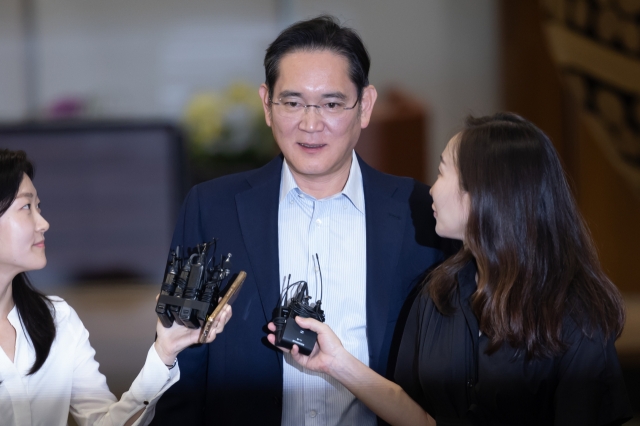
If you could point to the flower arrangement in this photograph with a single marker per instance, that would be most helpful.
(226, 132)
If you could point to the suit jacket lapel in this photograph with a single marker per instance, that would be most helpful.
(258, 217)
(385, 219)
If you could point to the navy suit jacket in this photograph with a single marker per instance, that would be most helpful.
(237, 379)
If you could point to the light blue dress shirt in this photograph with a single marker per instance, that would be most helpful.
(335, 229)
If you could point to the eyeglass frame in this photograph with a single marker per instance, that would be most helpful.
(318, 107)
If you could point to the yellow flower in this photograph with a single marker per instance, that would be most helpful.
(204, 118)
(240, 93)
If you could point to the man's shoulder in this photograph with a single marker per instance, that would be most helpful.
(231, 184)
(400, 187)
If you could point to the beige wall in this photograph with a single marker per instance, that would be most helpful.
(12, 85)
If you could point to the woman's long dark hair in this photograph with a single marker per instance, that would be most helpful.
(34, 308)
(535, 257)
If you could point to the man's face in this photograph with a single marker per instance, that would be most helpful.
(317, 146)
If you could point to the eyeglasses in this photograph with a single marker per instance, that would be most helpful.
(329, 110)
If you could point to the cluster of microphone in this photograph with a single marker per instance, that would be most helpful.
(191, 290)
(192, 286)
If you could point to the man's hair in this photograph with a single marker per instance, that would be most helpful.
(319, 34)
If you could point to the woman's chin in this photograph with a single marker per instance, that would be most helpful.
(451, 235)
(442, 232)
(37, 265)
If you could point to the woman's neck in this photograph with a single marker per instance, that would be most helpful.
(6, 298)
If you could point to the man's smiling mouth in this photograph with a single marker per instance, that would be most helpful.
(311, 146)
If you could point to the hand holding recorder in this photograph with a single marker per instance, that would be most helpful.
(327, 355)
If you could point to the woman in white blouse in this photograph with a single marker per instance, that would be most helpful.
(47, 366)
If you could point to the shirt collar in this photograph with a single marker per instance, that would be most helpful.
(13, 317)
(353, 189)
(287, 183)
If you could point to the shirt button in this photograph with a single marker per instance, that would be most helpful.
(291, 201)
(313, 413)
(318, 222)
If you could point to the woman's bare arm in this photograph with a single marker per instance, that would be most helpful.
(382, 396)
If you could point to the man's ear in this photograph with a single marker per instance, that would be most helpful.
(266, 105)
(369, 96)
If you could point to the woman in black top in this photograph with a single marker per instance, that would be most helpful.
(517, 328)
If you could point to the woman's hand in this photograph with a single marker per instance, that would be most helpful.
(382, 396)
(328, 353)
(171, 341)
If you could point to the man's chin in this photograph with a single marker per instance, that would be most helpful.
(309, 168)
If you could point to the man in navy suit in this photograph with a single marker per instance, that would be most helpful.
(373, 235)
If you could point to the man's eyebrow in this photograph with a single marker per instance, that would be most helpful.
(338, 95)
(289, 94)
(292, 94)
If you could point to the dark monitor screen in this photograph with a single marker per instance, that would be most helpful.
(110, 192)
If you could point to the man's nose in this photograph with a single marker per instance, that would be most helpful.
(311, 120)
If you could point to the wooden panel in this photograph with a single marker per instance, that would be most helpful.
(531, 85)
(612, 212)
(394, 141)
(532, 88)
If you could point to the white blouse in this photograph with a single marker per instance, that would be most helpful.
(69, 380)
